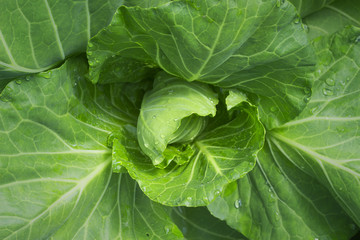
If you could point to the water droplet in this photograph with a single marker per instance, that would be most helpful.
(357, 39)
(90, 44)
(89, 53)
(162, 136)
(273, 109)
(146, 145)
(313, 110)
(316, 238)
(297, 20)
(237, 203)
(327, 92)
(113, 55)
(279, 3)
(167, 229)
(18, 82)
(330, 82)
(307, 99)
(188, 201)
(342, 82)
(170, 92)
(91, 63)
(175, 119)
(156, 142)
(27, 78)
(277, 216)
(305, 27)
(217, 193)
(270, 190)
(307, 90)
(154, 116)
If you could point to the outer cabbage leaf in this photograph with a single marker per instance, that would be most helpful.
(198, 224)
(258, 46)
(56, 180)
(324, 140)
(306, 7)
(333, 17)
(173, 111)
(277, 200)
(222, 153)
(37, 35)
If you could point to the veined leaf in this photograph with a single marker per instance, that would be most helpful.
(173, 112)
(55, 166)
(277, 200)
(198, 224)
(333, 17)
(219, 155)
(324, 139)
(306, 7)
(38, 35)
(258, 46)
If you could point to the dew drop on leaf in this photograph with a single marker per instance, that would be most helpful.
(167, 229)
(237, 203)
(330, 82)
(277, 216)
(18, 82)
(357, 39)
(273, 109)
(279, 3)
(327, 92)
(305, 27)
(313, 110)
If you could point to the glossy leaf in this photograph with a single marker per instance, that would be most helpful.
(277, 200)
(220, 155)
(56, 180)
(173, 112)
(255, 46)
(199, 224)
(324, 139)
(306, 7)
(40, 34)
(333, 17)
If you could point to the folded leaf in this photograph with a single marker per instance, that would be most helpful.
(324, 139)
(173, 112)
(219, 155)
